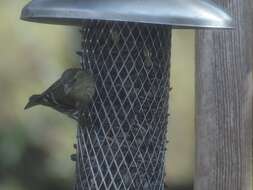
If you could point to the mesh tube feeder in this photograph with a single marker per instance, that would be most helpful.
(126, 45)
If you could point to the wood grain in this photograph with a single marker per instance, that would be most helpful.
(224, 102)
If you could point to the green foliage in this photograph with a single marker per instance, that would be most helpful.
(34, 146)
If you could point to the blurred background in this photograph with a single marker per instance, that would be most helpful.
(35, 145)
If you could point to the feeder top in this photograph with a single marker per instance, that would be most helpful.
(179, 13)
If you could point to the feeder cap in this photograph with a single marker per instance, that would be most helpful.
(179, 13)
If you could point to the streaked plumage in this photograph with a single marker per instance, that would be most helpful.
(71, 94)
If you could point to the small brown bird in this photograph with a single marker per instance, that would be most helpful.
(71, 94)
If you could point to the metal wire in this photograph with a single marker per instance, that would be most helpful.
(124, 146)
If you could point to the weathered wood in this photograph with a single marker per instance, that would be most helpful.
(224, 103)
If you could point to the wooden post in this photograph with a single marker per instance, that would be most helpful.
(224, 103)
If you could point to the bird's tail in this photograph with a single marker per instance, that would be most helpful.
(33, 101)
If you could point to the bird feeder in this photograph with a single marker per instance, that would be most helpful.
(126, 46)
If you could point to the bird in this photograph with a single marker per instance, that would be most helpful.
(71, 94)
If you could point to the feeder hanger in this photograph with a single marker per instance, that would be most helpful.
(177, 13)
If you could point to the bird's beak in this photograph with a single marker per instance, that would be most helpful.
(29, 105)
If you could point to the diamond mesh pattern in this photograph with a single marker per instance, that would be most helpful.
(124, 147)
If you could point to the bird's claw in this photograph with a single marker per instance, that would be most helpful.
(73, 157)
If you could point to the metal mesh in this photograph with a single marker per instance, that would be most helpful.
(124, 146)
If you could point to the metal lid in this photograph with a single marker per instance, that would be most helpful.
(182, 13)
